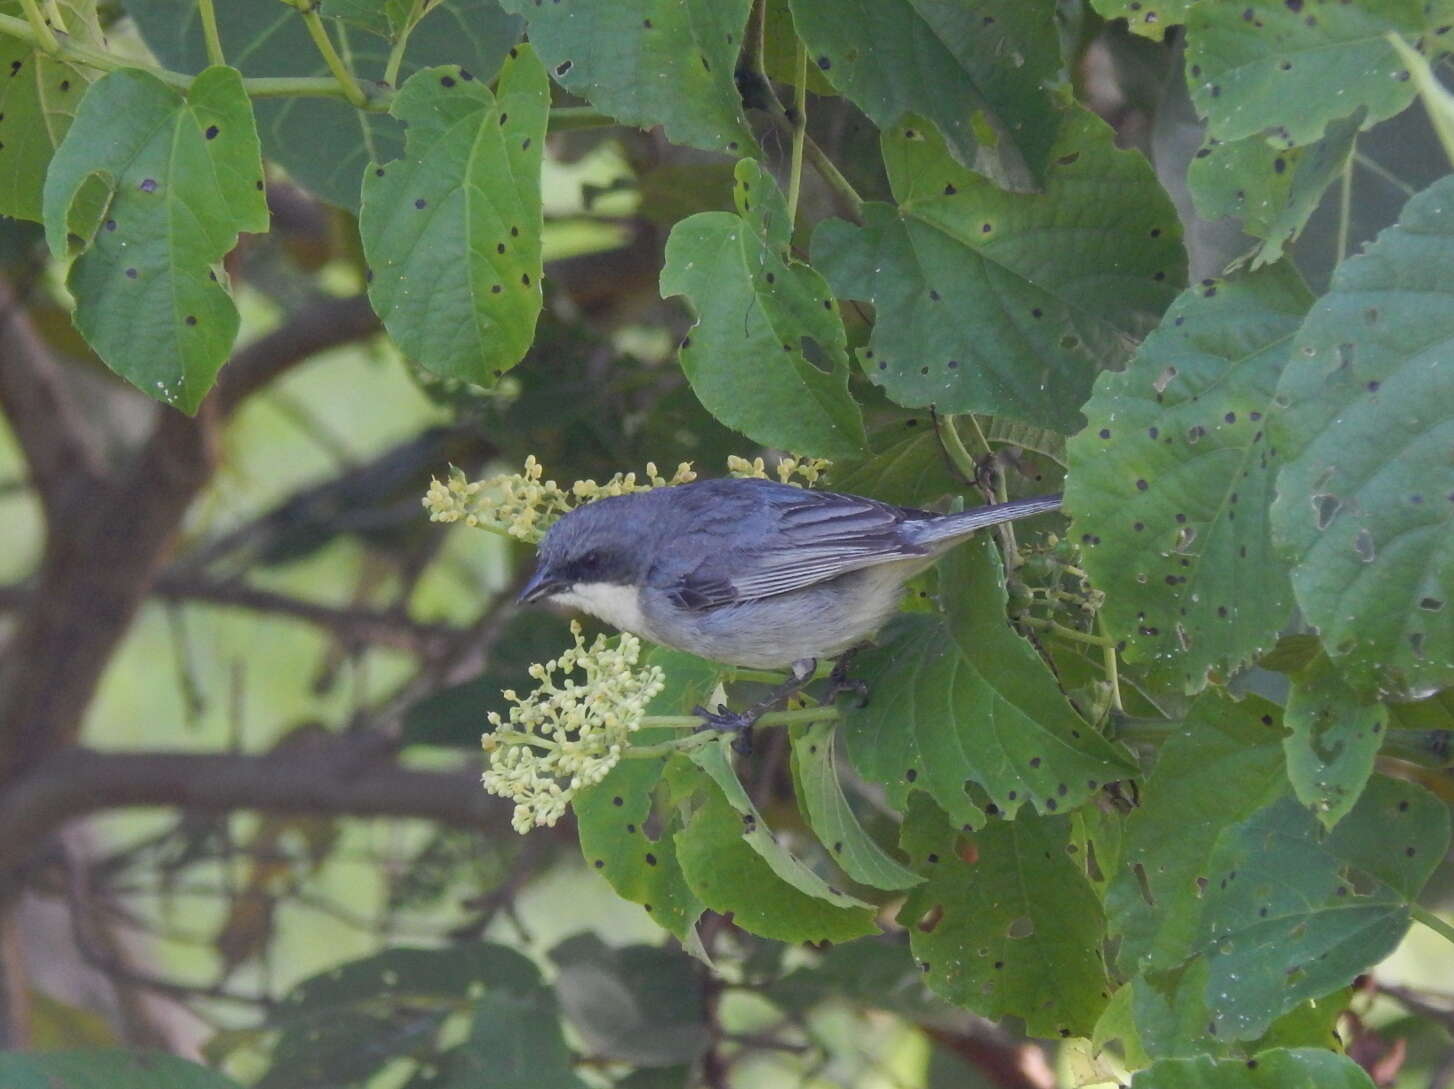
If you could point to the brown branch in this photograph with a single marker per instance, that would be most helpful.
(333, 777)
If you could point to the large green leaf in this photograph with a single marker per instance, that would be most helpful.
(1171, 480)
(1333, 740)
(959, 698)
(1220, 768)
(157, 185)
(981, 72)
(1365, 498)
(768, 354)
(831, 817)
(1007, 923)
(1270, 64)
(650, 62)
(38, 98)
(451, 230)
(325, 144)
(1280, 1068)
(106, 1068)
(1149, 18)
(1272, 190)
(990, 301)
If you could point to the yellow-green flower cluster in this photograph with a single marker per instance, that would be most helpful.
(810, 469)
(567, 735)
(524, 505)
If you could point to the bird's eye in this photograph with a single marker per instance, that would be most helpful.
(590, 561)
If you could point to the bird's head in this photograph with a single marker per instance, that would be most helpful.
(594, 551)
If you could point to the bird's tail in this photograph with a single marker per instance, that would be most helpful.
(953, 526)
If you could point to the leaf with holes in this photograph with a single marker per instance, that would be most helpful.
(1334, 738)
(38, 99)
(1269, 64)
(324, 143)
(106, 1068)
(1007, 923)
(1149, 18)
(831, 817)
(157, 185)
(989, 301)
(1171, 479)
(1280, 1068)
(1365, 497)
(1293, 912)
(768, 353)
(650, 62)
(1271, 190)
(1220, 768)
(958, 698)
(452, 229)
(980, 72)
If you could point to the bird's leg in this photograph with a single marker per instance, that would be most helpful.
(839, 681)
(741, 722)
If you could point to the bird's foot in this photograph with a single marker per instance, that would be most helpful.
(840, 682)
(735, 722)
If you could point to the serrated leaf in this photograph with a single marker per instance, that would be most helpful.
(1271, 190)
(981, 72)
(1220, 768)
(959, 698)
(1007, 923)
(452, 229)
(325, 144)
(38, 99)
(989, 301)
(1293, 913)
(731, 875)
(650, 62)
(768, 353)
(157, 185)
(1271, 68)
(1365, 497)
(1333, 740)
(1149, 18)
(1171, 479)
(833, 820)
(106, 1068)
(1280, 1068)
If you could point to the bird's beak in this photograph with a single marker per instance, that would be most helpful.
(541, 585)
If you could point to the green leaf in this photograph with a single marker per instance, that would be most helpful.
(1335, 736)
(768, 354)
(980, 72)
(1171, 479)
(1293, 913)
(325, 144)
(1280, 1068)
(1007, 923)
(384, 17)
(906, 466)
(732, 875)
(515, 1042)
(833, 820)
(989, 301)
(38, 99)
(1149, 18)
(875, 974)
(452, 229)
(1271, 190)
(1220, 768)
(157, 185)
(106, 1068)
(960, 698)
(650, 62)
(1365, 498)
(1272, 69)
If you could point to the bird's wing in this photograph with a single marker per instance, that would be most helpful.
(807, 537)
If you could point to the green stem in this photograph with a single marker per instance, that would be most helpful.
(949, 434)
(44, 37)
(319, 33)
(796, 717)
(800, 133)
(209, 32)
(1067, 633)
(1433, 922)
(571, 118)
(396, 55)
(1345, 207)
(1113, 671)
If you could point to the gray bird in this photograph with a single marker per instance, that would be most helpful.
(749, 572)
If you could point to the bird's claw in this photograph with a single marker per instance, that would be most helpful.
(839, 682)
(725, 721)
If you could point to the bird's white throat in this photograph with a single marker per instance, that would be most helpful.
(617, 605)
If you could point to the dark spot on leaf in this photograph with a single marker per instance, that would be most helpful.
(650, 859)
(191, 319)
(949, 190)
(421, 203)
(212, 131)
(131, 274)
(1141, 485)
(148, 185)
(1105, 432)
(525, 278)
(600, 864)
(563, 67)
(824, 63)
(446, 81)
(111, 224)
(911, 775)
(495, 289)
